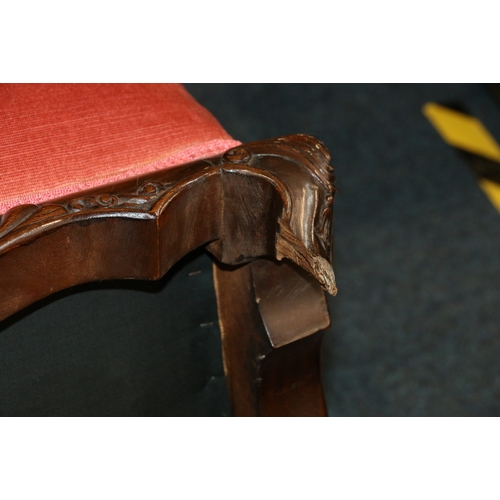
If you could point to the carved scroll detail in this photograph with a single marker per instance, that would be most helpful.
(143, 197)
(306, 222)
(20, 220)
(289, 246)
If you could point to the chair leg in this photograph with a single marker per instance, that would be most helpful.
(270, 316)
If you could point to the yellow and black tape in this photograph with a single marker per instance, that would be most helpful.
(472, 140)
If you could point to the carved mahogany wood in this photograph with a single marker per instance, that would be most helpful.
(268, 199)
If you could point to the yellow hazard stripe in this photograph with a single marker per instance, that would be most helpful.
(492, 191)
(467, 133)
(462, 131)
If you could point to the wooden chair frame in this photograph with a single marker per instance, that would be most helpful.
(251, 207)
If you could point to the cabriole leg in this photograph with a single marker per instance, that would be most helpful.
(271, 315)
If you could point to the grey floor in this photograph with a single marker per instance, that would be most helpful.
(415, 326)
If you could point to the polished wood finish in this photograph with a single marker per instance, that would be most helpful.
(270, 314)
(264, 200)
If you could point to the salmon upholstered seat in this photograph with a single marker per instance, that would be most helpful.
(59, 139)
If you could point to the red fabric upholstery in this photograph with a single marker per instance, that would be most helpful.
(57, 139)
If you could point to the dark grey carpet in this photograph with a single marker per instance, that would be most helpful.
(416, 324)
